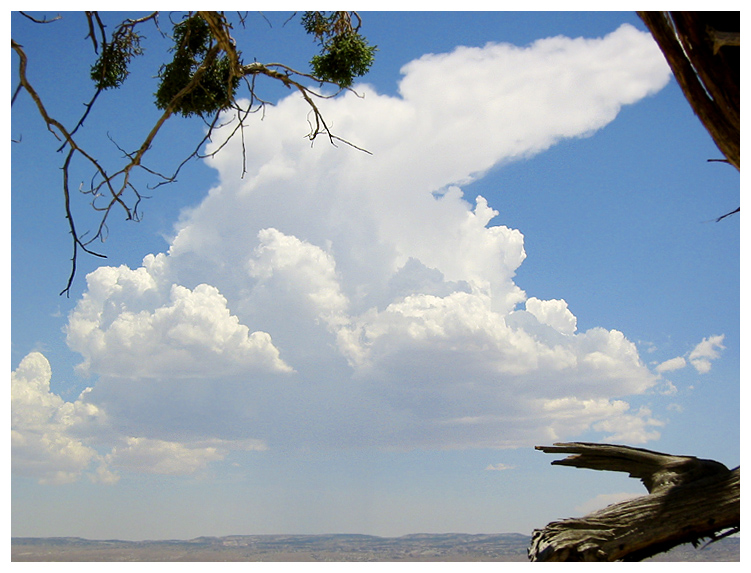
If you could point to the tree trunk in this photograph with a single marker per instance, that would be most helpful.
(703, 50)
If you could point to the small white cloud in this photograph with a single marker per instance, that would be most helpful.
(667, 388)
(700, 357)
(670, 365)
(707, 350)
(499, 467)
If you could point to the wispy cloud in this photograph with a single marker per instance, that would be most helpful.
(499, 467)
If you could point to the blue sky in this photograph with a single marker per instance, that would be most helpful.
(340, 342)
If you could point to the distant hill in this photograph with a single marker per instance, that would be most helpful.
(308, 548)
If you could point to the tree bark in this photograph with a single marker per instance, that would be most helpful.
(690, 499)
(703, 50)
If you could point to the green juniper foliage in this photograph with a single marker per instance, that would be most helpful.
(345, 54)
(111, 68)
(215, 89)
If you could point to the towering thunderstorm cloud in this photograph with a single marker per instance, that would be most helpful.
(335, 298)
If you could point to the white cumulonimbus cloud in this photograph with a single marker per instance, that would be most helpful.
(333, 297)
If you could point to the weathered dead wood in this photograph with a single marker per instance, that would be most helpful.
(703, 50)
(690, 499)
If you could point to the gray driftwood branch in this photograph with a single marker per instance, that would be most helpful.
(689, 499)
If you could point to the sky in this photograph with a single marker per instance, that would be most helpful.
(345, 342)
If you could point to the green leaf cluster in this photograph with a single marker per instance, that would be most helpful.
(215, 88)
(111, 68)
(345, 54)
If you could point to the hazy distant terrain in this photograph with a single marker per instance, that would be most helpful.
(416, 547)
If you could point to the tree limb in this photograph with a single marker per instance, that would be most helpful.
(113, 189)
(690, 499)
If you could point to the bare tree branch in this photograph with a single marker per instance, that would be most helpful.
(38, 21)
(109, 190)
(690, 499)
